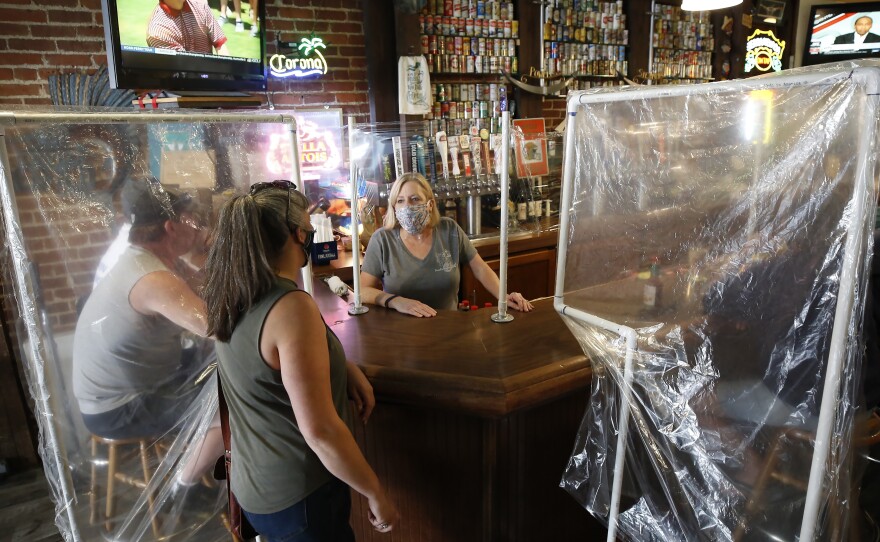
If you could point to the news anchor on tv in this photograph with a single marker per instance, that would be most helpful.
(861, 35)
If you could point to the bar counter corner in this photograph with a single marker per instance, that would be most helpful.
(474, 421)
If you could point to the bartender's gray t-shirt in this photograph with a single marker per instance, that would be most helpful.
(434, 280)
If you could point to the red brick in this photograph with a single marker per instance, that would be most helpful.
(6, 74)
(22, 90)
(295, 13)
(90, 31)
(23, 15)
(70, 16)
(28, 44)
(348, 28)
(21, 59)
(327, 15)
(338, 87)
(307, 27)
(25, 74)
(280, 25)
(80, 46)
(14, 29)
(62, 61)
(53, 31)
(333, 3)
(316, 99)
(353, 51)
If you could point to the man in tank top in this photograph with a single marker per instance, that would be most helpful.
(132, 374)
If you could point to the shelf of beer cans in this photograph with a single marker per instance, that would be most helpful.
(683, 43)
(459, 107)
(469, 37)
(585, 38)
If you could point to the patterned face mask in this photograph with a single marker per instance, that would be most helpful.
(413, 218)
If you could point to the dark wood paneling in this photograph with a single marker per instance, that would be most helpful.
(528, 13)
(638, 20)
(462, 478)
(379, 36)
(532, 274)
(429, 462)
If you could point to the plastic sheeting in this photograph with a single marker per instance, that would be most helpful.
(69, 205)
(464, 170)
(63, 188)
(727, 226)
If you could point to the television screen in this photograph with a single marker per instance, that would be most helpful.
(842, 32)
(185, 44)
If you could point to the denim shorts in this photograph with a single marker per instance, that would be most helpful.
(321, 517)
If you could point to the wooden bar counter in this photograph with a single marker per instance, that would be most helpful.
(474, 421)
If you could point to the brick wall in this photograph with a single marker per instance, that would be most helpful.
(42, 38)
(553, 111)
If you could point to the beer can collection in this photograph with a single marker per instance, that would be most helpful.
(469, 36)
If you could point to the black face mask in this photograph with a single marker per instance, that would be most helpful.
(307, 246)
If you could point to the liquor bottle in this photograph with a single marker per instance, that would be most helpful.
(652, 293)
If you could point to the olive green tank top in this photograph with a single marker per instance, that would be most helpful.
(273, 467)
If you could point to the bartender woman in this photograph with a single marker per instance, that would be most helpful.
(412, 262)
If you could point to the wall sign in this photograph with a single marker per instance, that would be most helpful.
(319, 132)
(764, 51)
(309, 62)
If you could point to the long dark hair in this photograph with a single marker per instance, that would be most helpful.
(250, 234)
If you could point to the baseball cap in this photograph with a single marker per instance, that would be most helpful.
(146, 201)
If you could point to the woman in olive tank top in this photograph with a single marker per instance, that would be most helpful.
(285, 377)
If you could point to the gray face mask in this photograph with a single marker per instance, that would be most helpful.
(413, 218)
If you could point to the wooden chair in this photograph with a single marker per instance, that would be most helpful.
(116, 449)
(866, 433)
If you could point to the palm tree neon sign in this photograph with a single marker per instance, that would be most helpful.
(311, 61)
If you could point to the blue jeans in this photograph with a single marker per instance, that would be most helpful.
(321, 517)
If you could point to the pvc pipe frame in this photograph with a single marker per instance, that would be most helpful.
(869, 78)
(358, 307)
(502, 316)
(25, 281)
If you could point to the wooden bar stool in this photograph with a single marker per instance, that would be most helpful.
(866, 432)
(116, 449)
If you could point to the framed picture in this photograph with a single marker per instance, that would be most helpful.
(770, 9)
(530, 148)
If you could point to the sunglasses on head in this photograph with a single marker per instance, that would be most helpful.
(256, 188)
(283, 185)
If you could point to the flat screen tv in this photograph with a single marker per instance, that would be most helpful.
(842, 32)
(185, 45)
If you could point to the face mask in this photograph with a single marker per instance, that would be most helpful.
(307, 246)
(413, 218)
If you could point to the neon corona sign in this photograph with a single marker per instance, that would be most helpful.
(764, 51)
(310, 62)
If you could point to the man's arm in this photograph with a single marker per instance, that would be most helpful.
(164, 293)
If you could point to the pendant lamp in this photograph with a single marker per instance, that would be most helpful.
(707, 5)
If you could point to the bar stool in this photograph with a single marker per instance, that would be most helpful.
(865, 433)
(116, 448)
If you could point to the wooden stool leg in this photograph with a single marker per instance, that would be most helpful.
(755, 498)
(111, 482)
(93, 484)
(145, 463)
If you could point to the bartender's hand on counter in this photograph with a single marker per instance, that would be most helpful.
(360, 391)
(411, 306)
(516, 301)
(383, 514)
